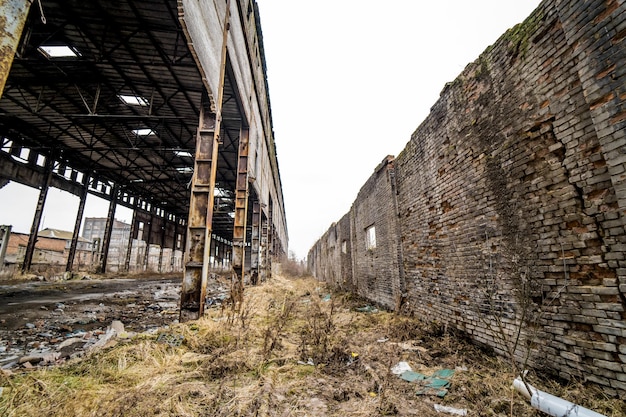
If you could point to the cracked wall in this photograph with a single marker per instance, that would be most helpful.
(507, 213)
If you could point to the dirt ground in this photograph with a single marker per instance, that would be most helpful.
(292, 347)
(38, 317)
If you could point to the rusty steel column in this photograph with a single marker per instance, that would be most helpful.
(14, 14)
(108, 230)
(255, 244)
(146, 255)
(133, 228)
(199, 227)
(263, 249)
(241, 207)
(197, 248)
(163, 232)
(77, 223)
(41, 202)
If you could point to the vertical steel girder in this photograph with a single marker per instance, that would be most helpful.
(255, 246)
(264, 249)
(108, 230)
(200, 227)
(200, 218)
(79, 219)
(241, 207)
(146, 255)
(129, 249)
(14, 13)
(41, 202)
(5, 235)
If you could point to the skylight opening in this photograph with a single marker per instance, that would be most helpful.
(133, 100)
(144, 132)
(181, 154)
(58, 51)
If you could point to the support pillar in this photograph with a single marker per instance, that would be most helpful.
(163, 232)
(146, 255)
(5, 235)
(108, 230)
(129, 249)
(264, 250)
(77, 223)
(241, 207)
(41, 202)
(200, 226)
(255, 246)
(14, 14)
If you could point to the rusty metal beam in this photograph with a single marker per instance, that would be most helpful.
(200, 226)
(14, 13)
(146, 255)
(255, 245)
(241, 206)
(133, 228)
(108, 230)
(79, 219)
(41, 202)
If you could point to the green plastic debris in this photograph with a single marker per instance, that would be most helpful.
(326, 298)
(411, 376)
(444, 373)
(437, 384)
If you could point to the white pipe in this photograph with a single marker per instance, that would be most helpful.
(550, 404)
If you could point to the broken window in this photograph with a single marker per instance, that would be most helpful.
(370, 238)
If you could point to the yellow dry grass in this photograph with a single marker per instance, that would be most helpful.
(252, 361)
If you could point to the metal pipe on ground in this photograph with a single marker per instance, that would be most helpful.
(551, 404)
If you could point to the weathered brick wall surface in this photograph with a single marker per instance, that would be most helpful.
(509, 209)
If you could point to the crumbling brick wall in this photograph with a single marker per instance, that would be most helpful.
(510, 198)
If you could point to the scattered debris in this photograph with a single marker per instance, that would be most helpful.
(171, 339)
(367, 309)
(450, 410)
(400, 368)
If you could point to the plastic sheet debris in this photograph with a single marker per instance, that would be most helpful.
(437, 384)
(326, 298)
(383, 340)
(171, 339)
(450, 410)
(400, 368)
(411, 376)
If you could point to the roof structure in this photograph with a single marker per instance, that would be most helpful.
(111, 90)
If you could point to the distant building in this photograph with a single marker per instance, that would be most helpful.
(93, 230)
(52, 248)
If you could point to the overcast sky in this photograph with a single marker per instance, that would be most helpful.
(349, 81)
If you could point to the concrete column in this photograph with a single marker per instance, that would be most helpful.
(14, 14)
(77, 223)
(41, 202)
(108, 230)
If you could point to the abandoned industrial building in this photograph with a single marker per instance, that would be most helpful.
(503, 218)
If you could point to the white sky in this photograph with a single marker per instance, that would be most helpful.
(349, 81)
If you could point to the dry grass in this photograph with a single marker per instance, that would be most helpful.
(253, 363)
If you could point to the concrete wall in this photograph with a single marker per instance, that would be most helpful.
(511, 197)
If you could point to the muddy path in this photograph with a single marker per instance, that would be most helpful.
(41, 318)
